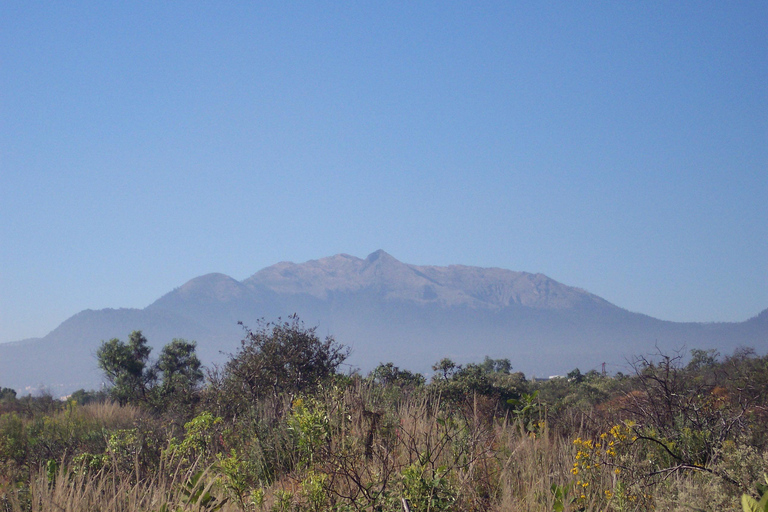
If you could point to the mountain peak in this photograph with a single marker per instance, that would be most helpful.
(212, 287)
(380, 256)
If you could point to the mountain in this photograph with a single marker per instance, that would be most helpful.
(385, 310)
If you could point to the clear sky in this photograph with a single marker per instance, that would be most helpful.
(621, 147)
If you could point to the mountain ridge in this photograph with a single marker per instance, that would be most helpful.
(385, 310)
(418, 281)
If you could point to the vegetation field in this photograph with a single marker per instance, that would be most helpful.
(280, 428)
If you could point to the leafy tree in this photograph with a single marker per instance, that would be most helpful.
(702, 359)
(125, 365)
(477, 388)
(575, 376)
(496, 365)
(445, 368)
(180, 369)
(172, 380)
(389, 374)
(281, 357)
(82, 397)
(7, 395)
(592, 376)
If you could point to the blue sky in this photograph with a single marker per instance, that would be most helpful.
(615, 146)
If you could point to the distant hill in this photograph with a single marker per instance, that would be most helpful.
(385, 310)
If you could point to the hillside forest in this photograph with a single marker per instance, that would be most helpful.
(284, 425)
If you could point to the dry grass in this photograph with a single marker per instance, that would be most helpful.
(110, 492)
(110, 414)
(366, 451)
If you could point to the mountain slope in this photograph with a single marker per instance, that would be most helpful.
(385, 310)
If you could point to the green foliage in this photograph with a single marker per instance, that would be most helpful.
(49, 436)
(750, 504)
(88, 462)
(575, 376)
(315, 491)
(125, 365)
(180, 371)
(387, 374)
(526, 410)
(7, 395)
(563, 498)
(311, 427)
(13, 438)
(83, 397)
(668, 437)
(198, 494)
(445, 369)
(502, 366)
(237, 475)
(171, 382)
(427, 489)
(466, 387)
(703, 360)
(51, 470)
(200, 441)
(279, 358)
(123, 449)
(133, 451)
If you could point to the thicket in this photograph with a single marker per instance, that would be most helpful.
(280, 428)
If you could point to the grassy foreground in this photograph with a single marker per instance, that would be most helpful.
(477, 438)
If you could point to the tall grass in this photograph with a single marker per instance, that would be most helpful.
(357, 447)
(167, 489)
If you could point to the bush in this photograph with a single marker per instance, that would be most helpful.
(276, 359)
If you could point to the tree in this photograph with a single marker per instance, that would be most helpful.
(575, 376)
(389, 374)
(702, 359)
(82, 397)
(180, 368)
(496, 365)
(282, 357)
(7, 395)
(480, 390)
(125, 367)
(446, 368)
(172, 380)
